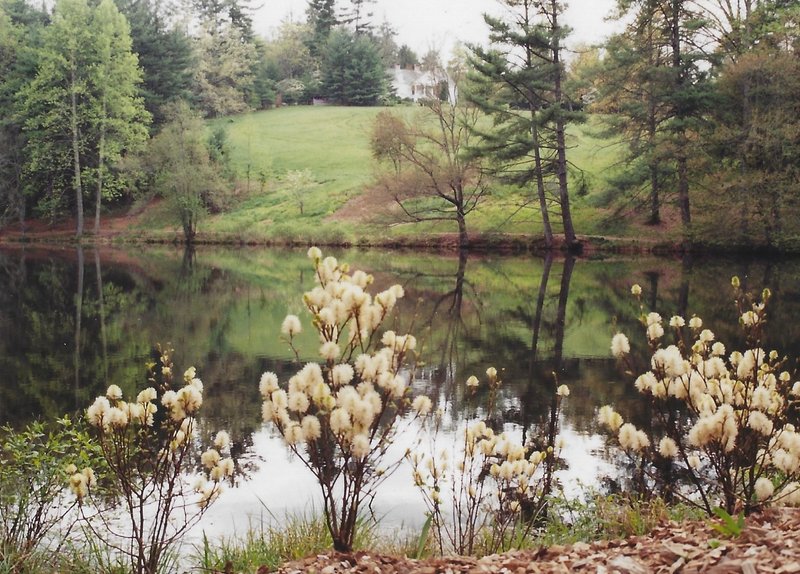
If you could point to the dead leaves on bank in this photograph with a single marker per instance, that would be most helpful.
(769, 544)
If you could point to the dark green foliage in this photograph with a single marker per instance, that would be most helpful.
(321, 18)
(165, 55)
(406, 58)
(518, 82)
(352, 71)
(287, 65)
(755, 146)
(21, 28)
(216, 14)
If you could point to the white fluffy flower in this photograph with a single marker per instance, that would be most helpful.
(147, 395)
(222, 440)
(268, 384)
(210, 458)
(311, 427)
(422, 405)
(653, 318)
(360, 446)
(329, 351)
(620, 346)
(655, 331)
(764, 488)
(314, 253)
(677, 321)
(291, 325)
(667, 447)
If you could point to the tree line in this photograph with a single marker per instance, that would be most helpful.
(701, 97)
(100, 99)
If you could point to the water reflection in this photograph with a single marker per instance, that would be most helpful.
(73, 321)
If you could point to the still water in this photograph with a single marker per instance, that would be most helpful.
(74, 321)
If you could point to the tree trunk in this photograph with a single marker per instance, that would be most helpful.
(652, 128)
(463, 238)
(680, 114)
(100, 160)
(561, 145)
(683, 185)
(76, 153)
(540, 189)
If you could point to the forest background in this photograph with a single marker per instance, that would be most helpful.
(682, 127)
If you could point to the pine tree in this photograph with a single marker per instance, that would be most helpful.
(352, 71)
(518, 82)
(321, 18)
(164, 52)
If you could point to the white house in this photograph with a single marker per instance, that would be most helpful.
(417, 84)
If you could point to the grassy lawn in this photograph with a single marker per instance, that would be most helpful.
(332, 143)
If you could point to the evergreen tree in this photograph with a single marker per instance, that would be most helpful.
(666, 35)
(407, 59)
(321, 19)
(358, 17)
(352, 71)
(518, 83)
(224, 71)
(633, 94)
(233, 17)
(164, 52)
(387, 46)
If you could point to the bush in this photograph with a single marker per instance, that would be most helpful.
(725, 422)
(340, 417)
(495, 491)
(34, 500)
(147, 449)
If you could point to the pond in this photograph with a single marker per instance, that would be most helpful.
(73, 321)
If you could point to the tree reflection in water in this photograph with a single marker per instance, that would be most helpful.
(541, 321)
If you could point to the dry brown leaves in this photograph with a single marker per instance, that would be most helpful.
(769, 544)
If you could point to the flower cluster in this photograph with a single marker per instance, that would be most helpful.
(493, 481)
(738, 404)
(513, 468)
(146, 444)
(80, 481)
(340, 414)
(218, 469)
(128, 428)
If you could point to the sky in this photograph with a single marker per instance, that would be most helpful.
(440, 24)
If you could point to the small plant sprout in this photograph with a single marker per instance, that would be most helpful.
(339, 416)
(491, 489)
(722, 420)
(147, 447)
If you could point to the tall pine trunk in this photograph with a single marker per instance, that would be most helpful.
(561, 144)
(540, 189)
(680, 80)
